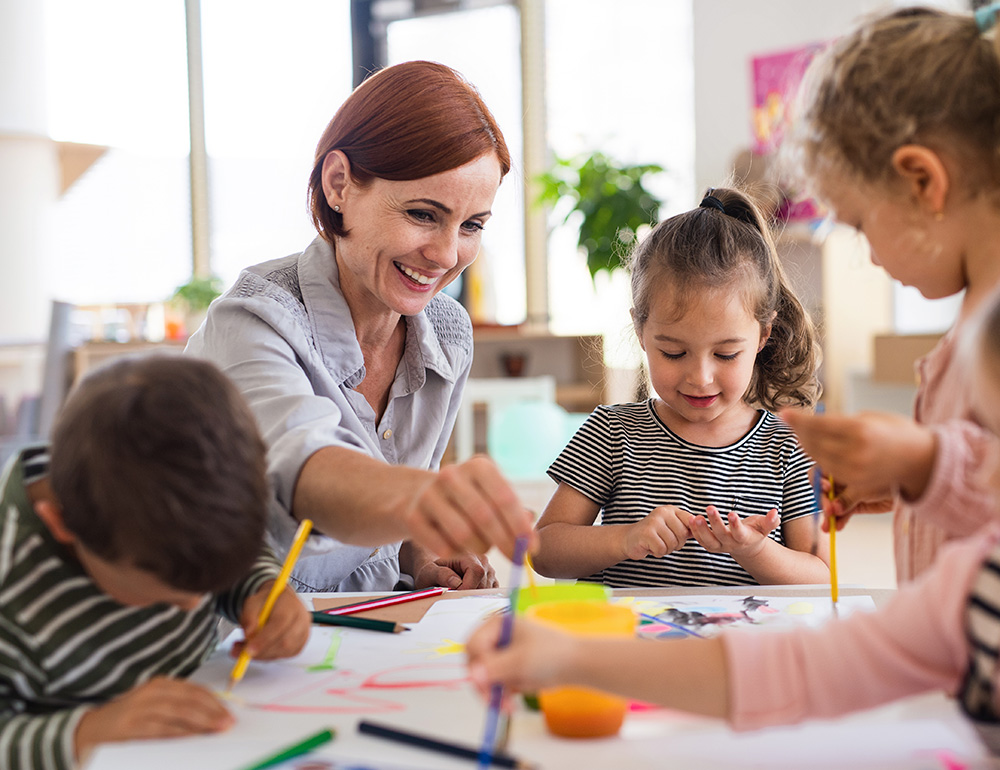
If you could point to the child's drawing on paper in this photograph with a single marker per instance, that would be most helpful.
(704, 616)
(346, 671)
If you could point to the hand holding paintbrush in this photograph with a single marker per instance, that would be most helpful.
(831, 525)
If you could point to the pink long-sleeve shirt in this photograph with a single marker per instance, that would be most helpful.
(954, 504)
(916, 643)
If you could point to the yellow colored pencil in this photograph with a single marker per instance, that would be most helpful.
(279, 585)
(531, 575)
(833, 549)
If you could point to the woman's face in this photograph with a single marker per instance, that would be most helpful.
(408, 240)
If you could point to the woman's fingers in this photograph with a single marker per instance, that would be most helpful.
(470, 507)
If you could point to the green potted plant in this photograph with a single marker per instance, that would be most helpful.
(610, 201)
(190, 302)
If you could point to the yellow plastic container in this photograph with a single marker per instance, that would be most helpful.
(579, 712)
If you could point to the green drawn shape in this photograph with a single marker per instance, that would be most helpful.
(331, 654)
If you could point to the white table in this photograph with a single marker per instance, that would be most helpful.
(923, 733)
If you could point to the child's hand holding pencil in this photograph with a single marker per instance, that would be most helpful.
(286, 631)
(275, 623)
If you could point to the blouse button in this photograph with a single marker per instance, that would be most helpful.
(387, 434)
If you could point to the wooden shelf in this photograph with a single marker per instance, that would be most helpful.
(92, 354)
(576, 362)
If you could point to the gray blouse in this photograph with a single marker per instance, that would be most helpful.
(284, 334)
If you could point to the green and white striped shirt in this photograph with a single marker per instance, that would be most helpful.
(65, 646)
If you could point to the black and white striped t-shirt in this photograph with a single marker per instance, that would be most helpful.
(629, 462)
(982, 616)
(65, 645)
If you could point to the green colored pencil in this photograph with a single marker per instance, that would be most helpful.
(302, 747)
(352, 622)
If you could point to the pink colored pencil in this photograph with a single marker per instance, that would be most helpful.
(385, 601)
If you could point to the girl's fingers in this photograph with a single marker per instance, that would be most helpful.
(715, 519)
(704, 535)
(736, 528)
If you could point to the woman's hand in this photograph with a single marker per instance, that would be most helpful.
(871, 456)
(462, 572)
(663, 530)
(741, 538)
(284, 634)
(469, 507)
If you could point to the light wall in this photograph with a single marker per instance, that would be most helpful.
(727, 34)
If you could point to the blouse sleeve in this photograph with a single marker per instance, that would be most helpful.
(269, 360)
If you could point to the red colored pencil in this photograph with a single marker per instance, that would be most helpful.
(385, 601)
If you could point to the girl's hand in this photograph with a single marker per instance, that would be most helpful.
(536, 657)
(469, 507)
(835, 507)
(284, 634)
(742, 538)
(871, 455)
(662, 531)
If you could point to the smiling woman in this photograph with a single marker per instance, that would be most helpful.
(354, 362)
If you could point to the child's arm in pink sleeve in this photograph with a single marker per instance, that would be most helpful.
(914, 644)
(954, 499)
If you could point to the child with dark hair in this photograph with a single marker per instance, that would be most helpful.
(120, 546)
(727, 342)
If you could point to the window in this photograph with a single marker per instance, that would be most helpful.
(117, 76)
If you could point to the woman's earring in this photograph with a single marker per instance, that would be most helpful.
(337, 209)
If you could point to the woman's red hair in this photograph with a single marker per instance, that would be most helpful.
(408, 121)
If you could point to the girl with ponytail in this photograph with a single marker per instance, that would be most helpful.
(727, 343)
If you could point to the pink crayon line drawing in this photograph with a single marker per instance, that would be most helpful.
(356, 699)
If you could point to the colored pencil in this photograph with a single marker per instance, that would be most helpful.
(349, 621)
(434, 744)
(279, 585)
(531, 575)
(834, 587)
(506, 629)
(295, 750)
(385, 601)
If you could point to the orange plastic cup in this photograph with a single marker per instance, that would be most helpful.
(579, 712)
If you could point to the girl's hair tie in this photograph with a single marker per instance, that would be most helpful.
(736, 210)
(711, 202)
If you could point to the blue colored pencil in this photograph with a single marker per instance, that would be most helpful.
(506, 629)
